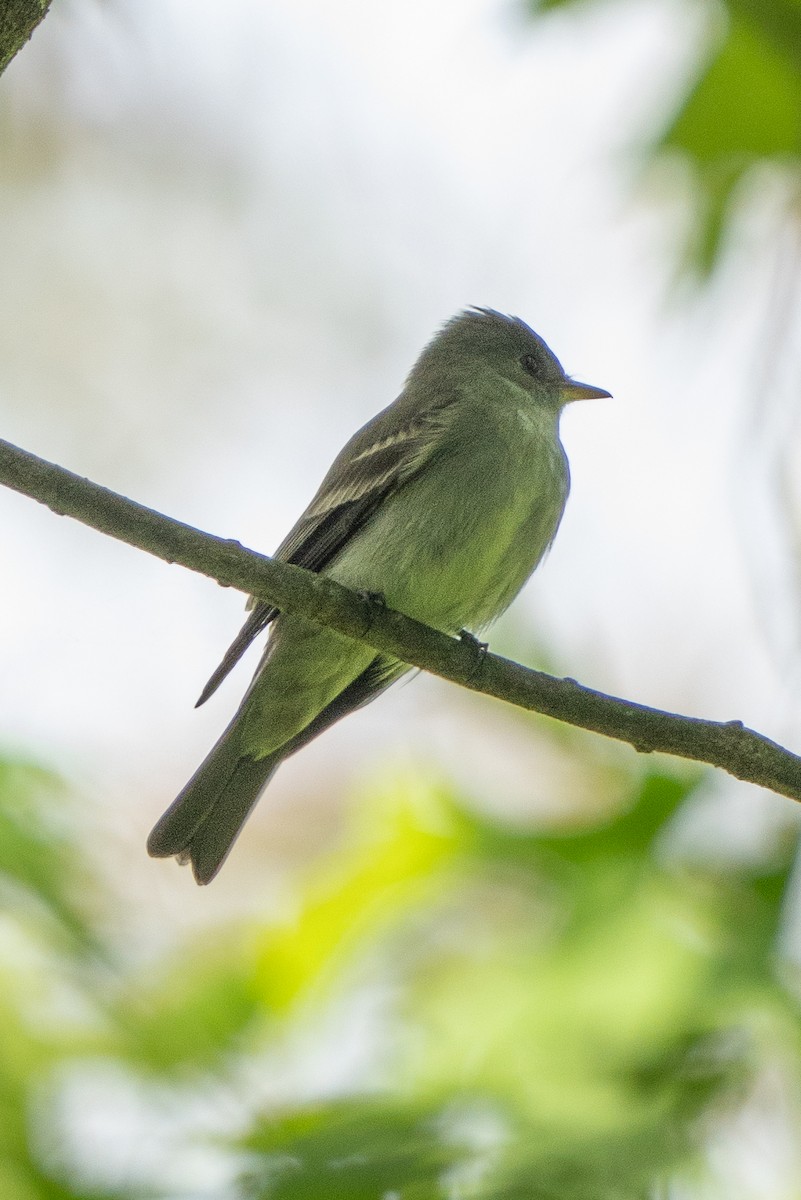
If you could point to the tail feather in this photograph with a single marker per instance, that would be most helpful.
(213, 839)
(202, 823)
(173, 831)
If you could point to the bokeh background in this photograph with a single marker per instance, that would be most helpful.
(459, 951)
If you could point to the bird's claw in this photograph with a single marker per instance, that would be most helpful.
(371, 601)
(479, 648)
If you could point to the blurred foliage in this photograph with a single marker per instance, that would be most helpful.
(740, 114)
(457, 1009)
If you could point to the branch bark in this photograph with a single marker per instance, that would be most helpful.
(730, 745)
(18, 19)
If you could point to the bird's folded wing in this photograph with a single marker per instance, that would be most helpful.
(375, 463)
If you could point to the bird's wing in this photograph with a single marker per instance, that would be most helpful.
(373, 465)
(259, 619)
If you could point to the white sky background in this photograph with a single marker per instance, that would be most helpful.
(226, 233)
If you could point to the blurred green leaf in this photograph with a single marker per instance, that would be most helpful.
(189, 1017)
(746, 104)
(35, 851)
(745, 109)
(779, 22)
(368, 1148)
(544, 6)
(400, 846)
(351, 1149)
(740, 112)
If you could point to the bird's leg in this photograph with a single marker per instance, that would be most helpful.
(478, 647)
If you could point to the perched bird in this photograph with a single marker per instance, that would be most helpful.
(443, 504)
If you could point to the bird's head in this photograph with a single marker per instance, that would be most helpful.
(480, 342)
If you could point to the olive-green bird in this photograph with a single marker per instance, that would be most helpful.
(443, 504)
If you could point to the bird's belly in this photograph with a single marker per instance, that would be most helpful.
(455, 560)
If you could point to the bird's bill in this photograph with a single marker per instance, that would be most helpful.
(571, 390)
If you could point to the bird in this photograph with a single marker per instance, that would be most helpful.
(442, 505)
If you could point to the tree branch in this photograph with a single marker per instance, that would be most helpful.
(18, 19)
(742, 752)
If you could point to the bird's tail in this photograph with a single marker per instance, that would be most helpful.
(202, 823)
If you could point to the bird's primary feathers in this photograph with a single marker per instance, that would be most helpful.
(444, 503)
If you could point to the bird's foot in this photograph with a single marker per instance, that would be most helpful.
(371, 601)
(478, 647)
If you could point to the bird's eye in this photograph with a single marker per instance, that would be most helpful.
(532, 364)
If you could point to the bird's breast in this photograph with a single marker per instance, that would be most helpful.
(455, 544)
